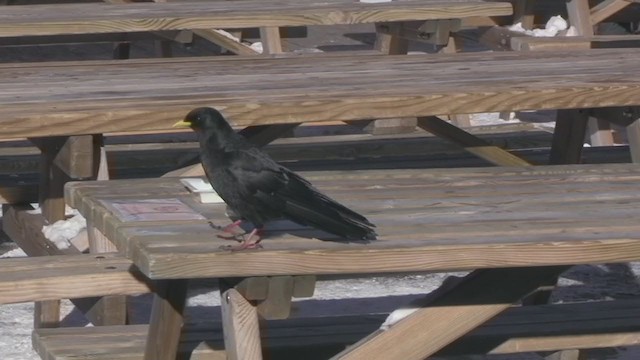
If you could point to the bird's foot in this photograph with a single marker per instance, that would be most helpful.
(244, 245)
(234, 225)
(232, 237)
(229, 229)
(247, 243)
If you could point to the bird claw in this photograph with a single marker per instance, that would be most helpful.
(230, 237)
(242, 246)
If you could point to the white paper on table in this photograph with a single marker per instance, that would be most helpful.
(203, 190)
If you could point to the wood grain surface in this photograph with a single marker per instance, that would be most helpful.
(148, 95)
(518, 329)
(67, 276)
(185, 15)
(448, 219)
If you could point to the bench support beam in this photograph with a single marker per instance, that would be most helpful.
(471, 143)
(431, 328)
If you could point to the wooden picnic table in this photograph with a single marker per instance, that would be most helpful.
(75, 98)
(516, 227)
(29, 20)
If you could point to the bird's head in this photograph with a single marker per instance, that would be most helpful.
(204, 118)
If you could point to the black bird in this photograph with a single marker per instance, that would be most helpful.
(258, 189)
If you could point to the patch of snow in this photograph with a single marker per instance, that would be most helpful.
(553, 27)
(571, 31)
(62, 231)
(397, 315)
(307, 51)
(13, 253)
(257, 46)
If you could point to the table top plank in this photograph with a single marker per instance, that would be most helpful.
(147, 95)
(30, 20)
(428, 220)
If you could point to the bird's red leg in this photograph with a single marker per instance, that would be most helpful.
(247, 243)
(229, 230)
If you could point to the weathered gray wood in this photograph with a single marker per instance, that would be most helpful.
(109, 310)
(240, 326)
(480, 296)
(518, 329)
(580, 16)
(166, 320)
(633, 137)
(346, 88)
(104, 18)
(568, 137)
(68, 277)
(469, 142)
(277, 304)
(476, 218)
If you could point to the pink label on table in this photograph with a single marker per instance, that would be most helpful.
(152, 210)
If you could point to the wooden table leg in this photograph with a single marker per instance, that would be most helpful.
(477, 298)
(391, 45)
(62, 159)
(241, 327)
(633, 137)
(271, 41)
(568, 137)
(166, 320)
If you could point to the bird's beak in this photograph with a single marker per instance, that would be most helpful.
(182, 123)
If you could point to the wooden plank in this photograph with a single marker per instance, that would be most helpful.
(449, 84)
(633, 137)
(271, 42)
(46, 40)
(109, 310)
(523, 13)
(277, 304)
(240, 326)
(575, 42)
(580, 16)
(469, 142)
(31, 20)
(477, 214)
(251, 288)
(25, 228)
(452, 314)
(166, 320)
(67, 277)
(219, 38)
(303, 286)
(46, 314)
(390, 44)
(518, 329)
(600, 132)
(263, 135)
(605, 9)
(568, 137)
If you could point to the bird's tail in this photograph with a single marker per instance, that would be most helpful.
(306, 205)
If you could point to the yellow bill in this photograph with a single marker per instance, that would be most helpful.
(182, 123)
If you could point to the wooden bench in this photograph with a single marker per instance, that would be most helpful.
(518, 227)
(68, 277)
(518, 329)
(203, 18)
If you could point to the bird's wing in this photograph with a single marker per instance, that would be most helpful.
(254, 171)
(262, 181)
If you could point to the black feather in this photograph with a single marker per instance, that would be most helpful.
(258, 189)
